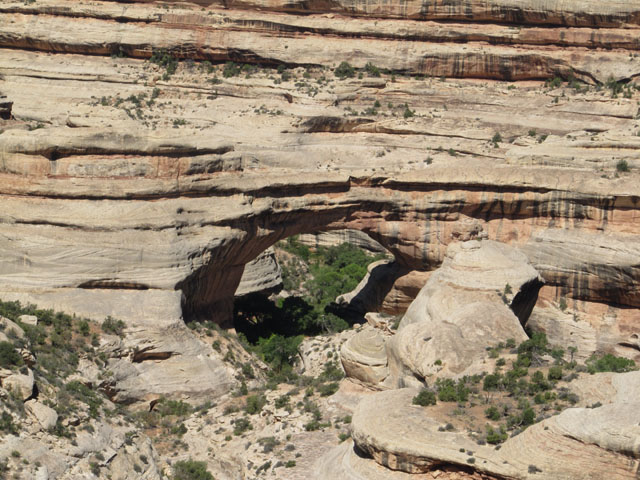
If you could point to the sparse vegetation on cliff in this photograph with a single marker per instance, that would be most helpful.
(513, 399)
(191, 470)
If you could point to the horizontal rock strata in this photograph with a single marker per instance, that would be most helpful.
(130, 191)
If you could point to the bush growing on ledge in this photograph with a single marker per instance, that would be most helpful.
(191, 470)
(8, 355)
(163, 59)
(372, 70)
(610, 363)
(344, 70)
(231, 70)
(111, 325)
(622, 166)
(255, 404)
(425, 398)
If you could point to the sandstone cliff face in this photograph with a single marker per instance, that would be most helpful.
(132, 192)
(151, 190)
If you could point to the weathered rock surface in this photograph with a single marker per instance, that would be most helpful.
(464, 307)
(607, 387)
(388, 286)
(132, 192)
(263, 274)
(19, 384)
(338, 237)
(406, 438)
(364, 356)
(46, 416)
(152, 363)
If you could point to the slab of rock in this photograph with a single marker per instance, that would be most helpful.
(9, 326)
(262, 274)
(364, 356)
(338, 237)
(606, 387)
(402, 436)
(46, 416)
(20, 384)
(29, 319)
(577, 444)
(388, 286)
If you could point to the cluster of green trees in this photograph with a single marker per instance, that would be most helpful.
(275, 330)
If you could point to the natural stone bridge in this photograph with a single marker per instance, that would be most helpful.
(154, 249)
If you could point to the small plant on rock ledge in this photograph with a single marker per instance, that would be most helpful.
(344, 70)
(622, 166)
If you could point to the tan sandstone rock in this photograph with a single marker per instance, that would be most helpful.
(46, 416)
(461, 311)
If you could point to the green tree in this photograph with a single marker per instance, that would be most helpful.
(8, 355)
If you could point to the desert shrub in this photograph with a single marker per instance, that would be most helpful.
(282, 401)
(496, 436)
(84, 394)
(528, 416)
(268, 444)
(492, 382)
(83, 327)
(408, 113)
(610, 363)
(327, 389)
(450, 391)
(241, 425)
(622, 166)
(114, 326)
(424, 398)
(255, 403)
(9, 357)
(372, 70)
(191, 470)
(179, 429)
(165, 407)
(555, 373)
(554, 83)
(247, 370)
(344, 70)
(492, 413)
(231, 69)
(163, 59)
(279, 351)
(6, 424)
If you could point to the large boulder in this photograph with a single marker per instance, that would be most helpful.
(364, 356)
(20, 384)
(46, 416)
(480, 296)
